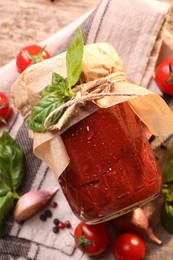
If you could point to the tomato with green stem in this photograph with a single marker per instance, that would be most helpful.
(92, 239)
(164, 76)
(29, 55)
(128, 246)
(4, 108)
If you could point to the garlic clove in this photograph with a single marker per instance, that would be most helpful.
(136, 222)
(31, 203)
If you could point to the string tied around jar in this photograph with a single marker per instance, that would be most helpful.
(86, 92)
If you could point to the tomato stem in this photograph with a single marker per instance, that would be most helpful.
(3, 105)
(35, 58)
(170, 80)
(1, 117)
(3, 120)
(82, 242)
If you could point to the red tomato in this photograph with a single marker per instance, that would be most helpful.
(164, 76)
(4, 108)
(128, 247)
(31, 54)
(92, 239)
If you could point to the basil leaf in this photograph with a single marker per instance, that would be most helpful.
(167, 216)
(170, 150)
(11, 162)
(74, 59)
(167, 175)
(41, 110)
(11, 175)
(4, 188)
(6, 204)
(57, 89)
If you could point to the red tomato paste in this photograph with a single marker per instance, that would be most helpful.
(112, 166)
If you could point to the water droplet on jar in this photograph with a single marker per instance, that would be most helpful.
(90, 133)
(59, 62)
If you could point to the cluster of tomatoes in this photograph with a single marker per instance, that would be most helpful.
(28, 55)
(95, 239)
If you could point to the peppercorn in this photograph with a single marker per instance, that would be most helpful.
(43, 217)
(55, 229)
(56, 221)
(61, 225)
(67, 224)
(48, 213)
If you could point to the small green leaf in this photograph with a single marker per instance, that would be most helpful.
(74, 59)
(170, 149)
(6, 204)
(4, 188)
(57, 89)
(11, 162)
(40, 112)
(58, 80)
(167, 216)
(168, 172)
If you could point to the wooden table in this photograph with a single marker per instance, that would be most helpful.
(27, 22)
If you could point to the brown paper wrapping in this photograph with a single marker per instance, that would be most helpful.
(99, 61)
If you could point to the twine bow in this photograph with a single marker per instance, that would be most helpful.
(86, 92)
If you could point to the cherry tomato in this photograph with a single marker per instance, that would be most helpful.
(4, 108)
(31, 54)
(128, 247)
(164, 76)
(92, 239)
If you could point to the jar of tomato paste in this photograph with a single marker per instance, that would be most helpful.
(112, 167)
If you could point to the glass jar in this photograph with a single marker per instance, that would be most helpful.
(112, 167)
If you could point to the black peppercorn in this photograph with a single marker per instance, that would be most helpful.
(56, 221)
(67, 224)
(43, 217)
(55, 229)
(48, 213)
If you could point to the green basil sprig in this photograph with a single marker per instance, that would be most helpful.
(60, 90)
(11, 175)
(167, 189)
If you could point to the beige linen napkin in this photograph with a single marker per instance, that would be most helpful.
(134, 28)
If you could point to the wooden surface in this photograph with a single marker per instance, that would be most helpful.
(25, 22)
